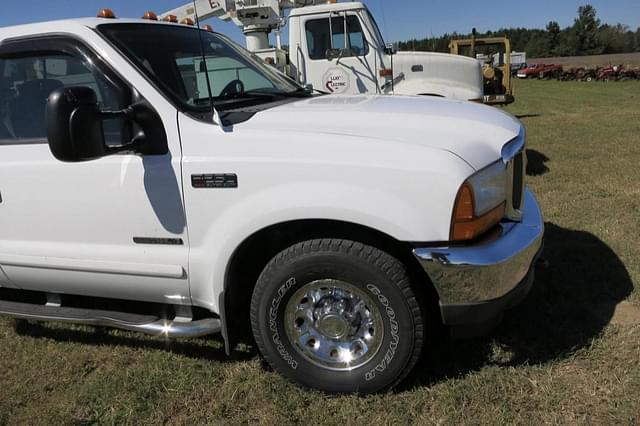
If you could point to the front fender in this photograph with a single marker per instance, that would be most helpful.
(404, 190)
(386, 212)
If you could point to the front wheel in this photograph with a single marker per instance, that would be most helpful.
(338, 316)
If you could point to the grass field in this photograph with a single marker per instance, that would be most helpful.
(570, 354)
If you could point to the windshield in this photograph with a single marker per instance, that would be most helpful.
(172, 57)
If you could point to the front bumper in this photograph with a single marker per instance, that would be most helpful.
(477, 283)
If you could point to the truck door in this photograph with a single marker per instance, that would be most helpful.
(339, 57)
(112, 227)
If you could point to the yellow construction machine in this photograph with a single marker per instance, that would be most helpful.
(496, 54)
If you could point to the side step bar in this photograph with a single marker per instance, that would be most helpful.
(147, 324)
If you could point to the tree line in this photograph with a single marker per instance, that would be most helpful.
(587, 36)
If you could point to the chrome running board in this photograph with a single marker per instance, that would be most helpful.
(147, 324)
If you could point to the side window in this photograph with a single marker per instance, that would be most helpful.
(27, 80)
(322, 36)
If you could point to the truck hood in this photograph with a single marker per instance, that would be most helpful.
(474, 132)
(441, 74)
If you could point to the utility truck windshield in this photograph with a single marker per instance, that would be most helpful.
(196, 68)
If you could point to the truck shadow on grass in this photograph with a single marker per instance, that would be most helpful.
(536, 163)
(530, 115)
(571, 303)
(210, 348)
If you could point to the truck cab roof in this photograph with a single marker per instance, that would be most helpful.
(326, 8)
(67, 26)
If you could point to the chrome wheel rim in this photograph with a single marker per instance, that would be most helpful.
(334, 324)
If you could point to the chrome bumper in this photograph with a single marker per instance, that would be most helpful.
(487, 271)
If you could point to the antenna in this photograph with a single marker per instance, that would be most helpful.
(204, 63)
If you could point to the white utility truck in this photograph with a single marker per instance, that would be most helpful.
(338, 48)
(327, 230)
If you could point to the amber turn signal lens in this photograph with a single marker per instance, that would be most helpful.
(463, 209)
(150, 16)
(465, 225)
(107, 14)
(171, 18)
(187, 21)
(469, 230)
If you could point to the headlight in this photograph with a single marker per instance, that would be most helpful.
(489, 187)
(480, 203)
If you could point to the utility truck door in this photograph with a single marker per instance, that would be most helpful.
(340, 59)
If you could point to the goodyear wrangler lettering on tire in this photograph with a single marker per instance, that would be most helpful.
(273, 324)
(395, 338)
(348, 323)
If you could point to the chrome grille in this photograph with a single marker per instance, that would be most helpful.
(518, 180)
(514, 156)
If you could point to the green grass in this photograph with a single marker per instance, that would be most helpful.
(561, 357)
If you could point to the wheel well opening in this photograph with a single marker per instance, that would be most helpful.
(255, 252)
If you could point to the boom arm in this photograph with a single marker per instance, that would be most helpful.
(256, 18)
(206, 9)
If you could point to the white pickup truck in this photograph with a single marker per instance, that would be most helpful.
(157, 178)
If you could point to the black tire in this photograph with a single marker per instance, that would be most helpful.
(382, 282)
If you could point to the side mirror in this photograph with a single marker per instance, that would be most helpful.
(75, 126)
(391, 48)
(338, 53)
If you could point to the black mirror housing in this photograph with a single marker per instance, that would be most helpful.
(391, 48)
(74, 125)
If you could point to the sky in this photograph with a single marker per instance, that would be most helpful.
(399, 20)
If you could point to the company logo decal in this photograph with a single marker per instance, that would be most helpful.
(337, 81)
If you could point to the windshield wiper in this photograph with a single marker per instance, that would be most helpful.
(251, 94)
(300, 92)
(306, 92)
(297, 93)
(263, 94)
